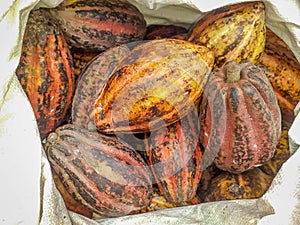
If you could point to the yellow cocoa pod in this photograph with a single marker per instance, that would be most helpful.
(234, 32)
(160, 82)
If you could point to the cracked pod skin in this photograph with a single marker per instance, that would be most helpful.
(45, 71)
(105, 176)
(233, 32)
(99, 24)
(240, 117)
(160, 82)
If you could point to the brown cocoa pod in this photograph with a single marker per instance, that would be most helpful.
(227, 186)
(104, 175)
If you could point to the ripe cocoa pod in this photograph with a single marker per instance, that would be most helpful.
(158, 31)
(90, 83)
(283, 71)
(45, 71)
(104, 175)
(161, 80)
(240, 117)
(234, 32)
(99, 24)
(174, 155)
(227, 186)
(70, 202)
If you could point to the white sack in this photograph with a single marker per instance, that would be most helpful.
(28, 194)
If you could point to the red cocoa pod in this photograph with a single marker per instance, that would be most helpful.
(45, 71)
(240, 117)
(104, 175)
(99, 24)
(174, 155)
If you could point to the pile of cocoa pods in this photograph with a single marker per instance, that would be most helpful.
(136, 117)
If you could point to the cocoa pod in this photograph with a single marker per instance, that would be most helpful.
(161, 80)
(240, 117)
(174, 155)
(234, 32)
(70, 202)
(90, 83)
(99, 24)
(104, 175)
(283, 71)
(45, 71)
(227, 186)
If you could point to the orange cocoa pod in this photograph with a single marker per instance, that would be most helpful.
(234, 32)
(161, 80)
(283, 71)
(45, 71)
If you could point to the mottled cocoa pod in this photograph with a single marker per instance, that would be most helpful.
(234, 32)
(158, 31)
(240, 117)
(90, 83)
(227, 186)
(161, 81)
(45, 71)
(174, 154)
(81, 59)
(283, 71)
(99, 24)
(107, 177)
(70, 202)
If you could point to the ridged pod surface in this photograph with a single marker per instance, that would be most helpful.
(240, 117)
(161, 80)
(283, 73)
(104, 175)
(99, 24)
(90, 83)
(233, 32)
(45, 71)
(174, 155)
